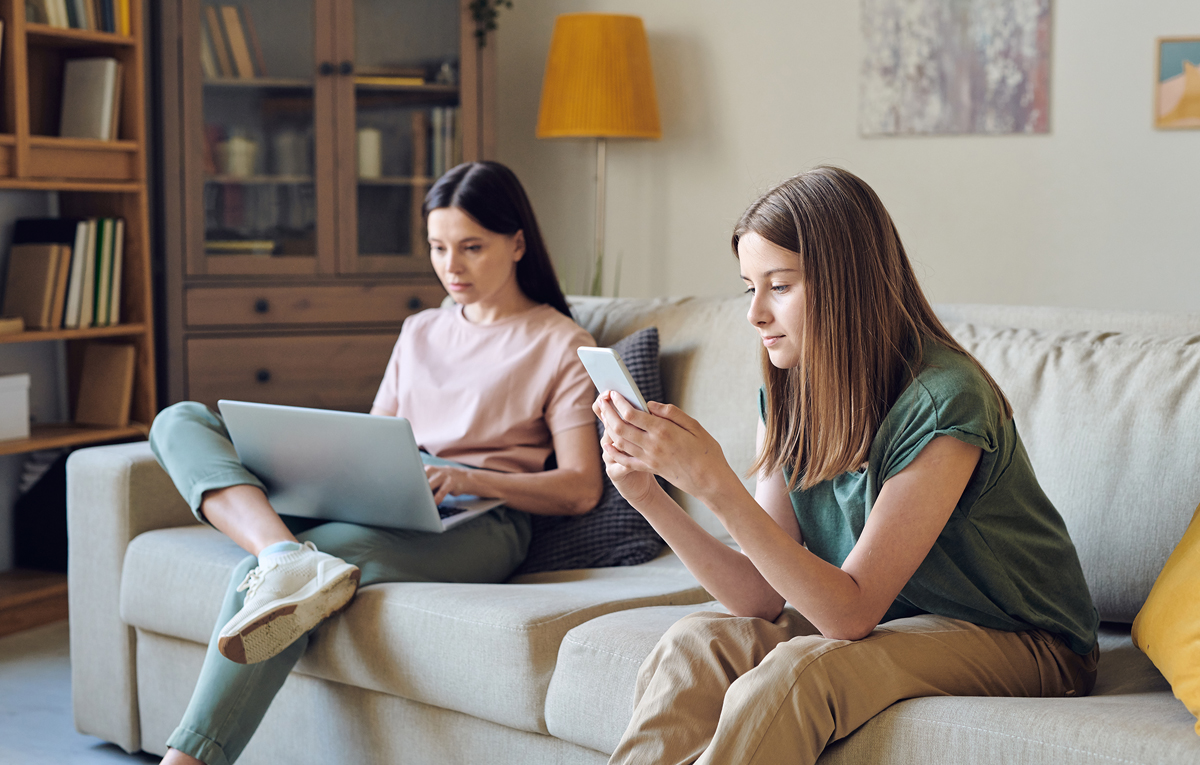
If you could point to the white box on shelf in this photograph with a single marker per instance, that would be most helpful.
(14, 406)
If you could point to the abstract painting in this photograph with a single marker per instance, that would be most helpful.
(1177, 97)
(955, 66)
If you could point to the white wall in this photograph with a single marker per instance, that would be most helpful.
(1102, 212)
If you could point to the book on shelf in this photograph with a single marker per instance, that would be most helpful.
(389, 81)
(260, 60)
(239, 49)
(114, 302)
(229, 43)
(11, 325)
(35, 284)
(212, 20)
(239, 246)
(208, 54)
(104, 252)
(93, 255)
(91, 98)
(445, 139)
(105, 384)
(94, 15)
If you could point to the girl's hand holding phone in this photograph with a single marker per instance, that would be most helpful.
(664, 441)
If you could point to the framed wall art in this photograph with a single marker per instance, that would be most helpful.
(1177, 83)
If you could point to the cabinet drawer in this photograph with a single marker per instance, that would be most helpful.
(327, 371)
(340, 304)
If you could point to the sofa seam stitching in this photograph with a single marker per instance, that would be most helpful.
(589, 646)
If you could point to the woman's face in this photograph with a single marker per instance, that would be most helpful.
(473, 263)
(772, 275)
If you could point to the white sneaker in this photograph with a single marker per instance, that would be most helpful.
(287, 595)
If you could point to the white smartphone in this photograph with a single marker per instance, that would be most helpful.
(608, 372)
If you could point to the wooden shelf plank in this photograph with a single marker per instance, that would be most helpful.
(57, 436)
(259, 82)
(30, 599)
(42, 335)
(260, 180)
(58, 184)
(396, 180)
(93, 144)
(45, 34)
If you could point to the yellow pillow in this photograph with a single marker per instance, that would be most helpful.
(1167, 629)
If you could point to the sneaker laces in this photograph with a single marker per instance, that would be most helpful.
(258, 574)
(255, 578)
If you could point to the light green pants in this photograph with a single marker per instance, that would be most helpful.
(230, 699)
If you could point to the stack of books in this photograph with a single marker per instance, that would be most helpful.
(239, 246)
(95, 15)
(229, 44)
(445, 144)
(65, 273)
(389, 76)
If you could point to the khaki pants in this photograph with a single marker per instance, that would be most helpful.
(725, 689)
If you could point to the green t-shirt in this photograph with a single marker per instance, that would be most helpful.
(1004, 559)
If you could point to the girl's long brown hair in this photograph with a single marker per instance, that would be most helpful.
(865, 324)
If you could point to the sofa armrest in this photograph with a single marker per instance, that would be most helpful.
(114, 493)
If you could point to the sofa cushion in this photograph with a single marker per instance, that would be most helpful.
(1131, 715)
(487, 650)
(1167, 628)
(1112, 426)
(710, 365)
(591, 694)
(612, 533)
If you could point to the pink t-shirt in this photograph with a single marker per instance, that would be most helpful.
(489, 395)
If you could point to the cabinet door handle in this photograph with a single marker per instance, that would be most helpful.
(347, 67)
(263, 375)
(325, 69)
(414, 303)
(261, 305)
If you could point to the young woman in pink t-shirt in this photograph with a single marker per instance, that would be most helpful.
(492, 387)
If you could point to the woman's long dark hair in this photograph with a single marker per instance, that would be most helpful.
(491, 194)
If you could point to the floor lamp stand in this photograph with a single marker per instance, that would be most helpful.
(598, 265)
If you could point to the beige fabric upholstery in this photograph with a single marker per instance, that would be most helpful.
(314, 721)
(591, 694)
(1112, 425)
(472, 673)
(114, 493)
(1131, 718)
(483, 649)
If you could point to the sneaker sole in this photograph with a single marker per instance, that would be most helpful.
(268, 633)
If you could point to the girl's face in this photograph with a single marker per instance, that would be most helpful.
(474, 264)
(772, 275)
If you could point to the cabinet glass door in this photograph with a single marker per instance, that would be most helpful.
(263, 149)
(403, 101)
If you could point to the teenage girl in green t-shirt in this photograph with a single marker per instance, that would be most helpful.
(896, 511)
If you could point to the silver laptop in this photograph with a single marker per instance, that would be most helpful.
(342, 466)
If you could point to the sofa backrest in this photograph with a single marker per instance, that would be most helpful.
(1107, 404)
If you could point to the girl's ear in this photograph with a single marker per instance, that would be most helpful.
(518, 245)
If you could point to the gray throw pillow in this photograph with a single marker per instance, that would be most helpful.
(612, 533)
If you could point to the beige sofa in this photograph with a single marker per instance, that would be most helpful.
(542, 670)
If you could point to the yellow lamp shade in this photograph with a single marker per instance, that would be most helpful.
(598, 79)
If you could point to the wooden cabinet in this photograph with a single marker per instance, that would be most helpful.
(89, 178)
(300, 137)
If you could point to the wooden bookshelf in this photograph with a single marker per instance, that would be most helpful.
(93, 179)
(30, 599)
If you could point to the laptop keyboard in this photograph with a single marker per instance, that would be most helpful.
(449, 511)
